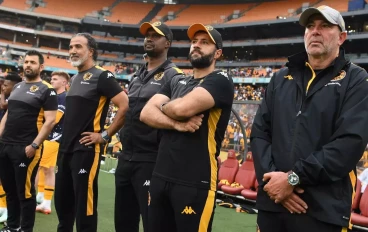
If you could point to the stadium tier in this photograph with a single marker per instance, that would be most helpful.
(255, 38)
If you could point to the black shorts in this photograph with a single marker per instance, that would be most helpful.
(174, 207)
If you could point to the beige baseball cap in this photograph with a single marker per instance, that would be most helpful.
(330, 14)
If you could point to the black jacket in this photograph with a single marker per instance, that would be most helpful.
(140, 141)
(316, 127)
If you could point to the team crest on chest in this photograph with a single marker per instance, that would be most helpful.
(158, 76)
(340, 76)
(87, 76)
(33, 88)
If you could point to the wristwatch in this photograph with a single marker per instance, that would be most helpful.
(105, 136)
(35, 146)
(293, 178)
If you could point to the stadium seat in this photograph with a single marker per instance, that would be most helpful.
(228, 169)
(250, 193)
(362, 218)
(358, 195)
(245, 177)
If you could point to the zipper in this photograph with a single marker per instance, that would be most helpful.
(132, 116)
(296, 125)
(311, 80)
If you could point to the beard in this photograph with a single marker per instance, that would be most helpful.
(80, 61)
(32, 75)
(201, 62)
(151, 52)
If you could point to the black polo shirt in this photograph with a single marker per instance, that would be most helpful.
(87, 103)
(191, 158)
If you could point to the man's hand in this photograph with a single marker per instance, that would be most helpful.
(191, 125)
(30, 151)
(294, 203)
(90, 138)
(278, 187)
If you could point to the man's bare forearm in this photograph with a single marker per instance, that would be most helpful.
(44, 132)
(117, 123)
(152, 116)
(174, 111)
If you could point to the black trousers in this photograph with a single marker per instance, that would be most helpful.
(132, 182)
(76, 191)
(287, 222)
(17, 174)
(179, 208)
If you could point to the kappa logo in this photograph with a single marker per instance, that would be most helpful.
(82, 171)
(18, 87)
(147, 183)
(110, 75)
(289, 77)
(22, 165)
(224, 74)
(188, 210)
(183, 82)
(52, 93)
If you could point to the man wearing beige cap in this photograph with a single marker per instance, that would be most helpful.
(184, 181)
(140, 142)
(309, 133)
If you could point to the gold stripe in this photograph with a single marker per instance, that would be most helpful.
(30, 169)
(47, 84)
(40, 120)
(207, 212)
(213, 119)
(313, 75)
(178, 70)
(353, 180)
(93, 171)
(99, 67)
(91, 178)
(96, 121)
(344, 229)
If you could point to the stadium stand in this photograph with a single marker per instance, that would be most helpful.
(279, 8)
(164, 12)
(20, 4)
(124, 12)
(71, 8)
(210, 14)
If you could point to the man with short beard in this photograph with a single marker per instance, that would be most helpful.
(194, 111)
(140, 141)
(87, 103)
(30, 117)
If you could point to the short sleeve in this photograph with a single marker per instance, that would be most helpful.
(50, 100)
(61, 103)
(221, 87)
(166, 89)
(107, 85)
